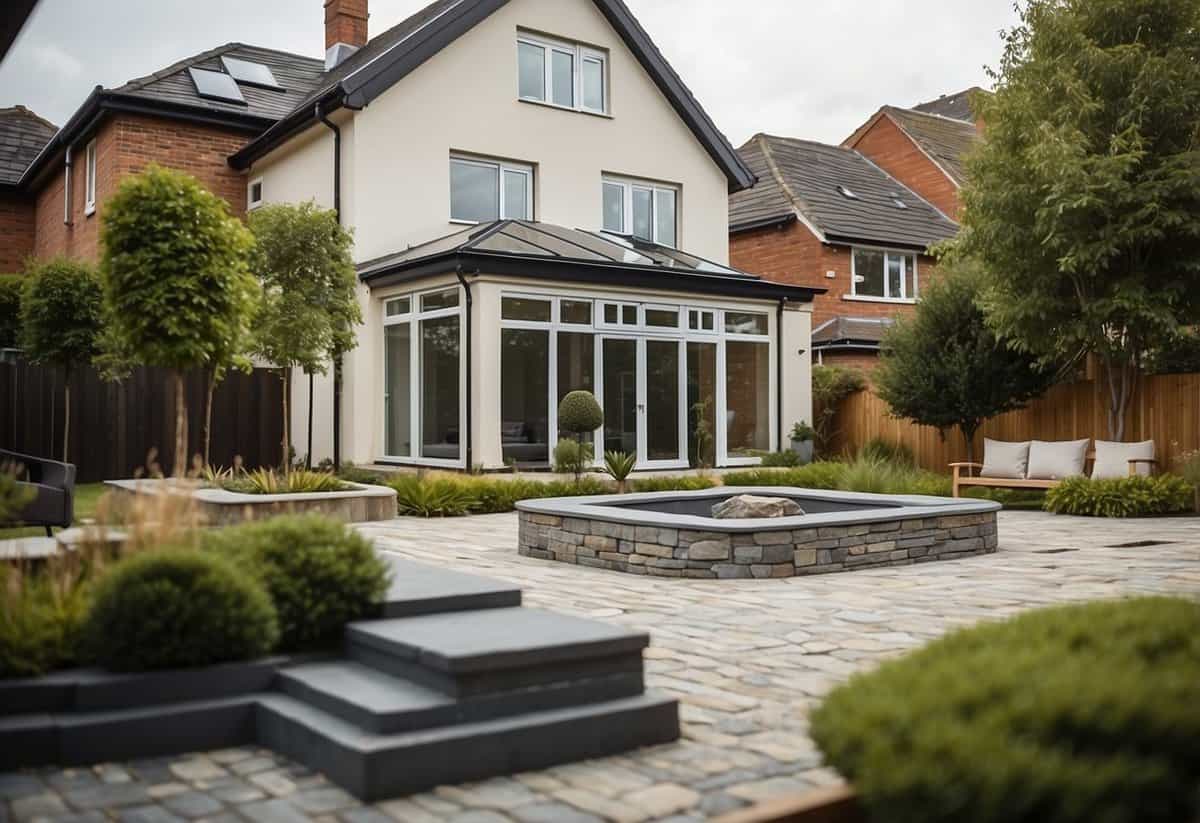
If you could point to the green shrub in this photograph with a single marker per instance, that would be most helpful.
(269, 481)
(432, 496)
(860, 475)
(818, 475)
(685, 483)
(40, 624)
(1120, 497)
(572, 457)
(10, 309)
(618, 466)
(178, 609)
(1022, 499)
(802, 432)
(1067, 715)
(319, 573)
(780, 460)
(353, 474)
(579, 413)
(879, 449)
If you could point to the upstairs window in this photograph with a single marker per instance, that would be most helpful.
(884, 275)
(562, 74)
(647, 211)
(89, 188)
(486, 190)
(254, 193)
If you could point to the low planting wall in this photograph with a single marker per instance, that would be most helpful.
(217, 507)
(667, 552)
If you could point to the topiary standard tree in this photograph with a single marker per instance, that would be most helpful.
(579, 414)
(945, 367)
(177, 284)
(1083, 201)
(11, 286)
(310, 300)
(61, 310)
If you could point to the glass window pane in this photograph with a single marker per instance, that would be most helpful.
(576, 363)
(516, 195)
(397, 410)
(895, 270)
(563, 66)
(441, 436)
(702, 404)
(593, 84)
(525, 395)
(395, 308)
(628, 315)
(522, 308)
(747, 387)
(662, 399)
(576, 311)
(708, 321)
(664, 216)
(474, 192)
(531, 61)
(910, 277)
(439, 300)
(742, 323)
(868, 272)
(662, 318)
(643, 217)
(614, 208)
(610, 313)
(620, 396)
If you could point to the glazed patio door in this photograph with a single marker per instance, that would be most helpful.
(642, 390)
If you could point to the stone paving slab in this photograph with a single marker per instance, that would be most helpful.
(746, 658)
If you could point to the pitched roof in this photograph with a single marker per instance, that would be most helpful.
(944, 139)
(837, 191)
(389, 57)
(22, 135)
(956, 106)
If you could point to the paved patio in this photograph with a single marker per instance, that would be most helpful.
(746, 659)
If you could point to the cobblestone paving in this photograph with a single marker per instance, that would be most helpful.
(747, 659)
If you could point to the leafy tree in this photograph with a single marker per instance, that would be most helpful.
(830, 386)
(177, 286)
(579, 414)
(1083, 201)
(310, 302)
(61, 309)
(945, 367)
(10, 309)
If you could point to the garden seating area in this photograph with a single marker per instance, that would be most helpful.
(1037, 464)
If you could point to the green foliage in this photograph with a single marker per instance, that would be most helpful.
(779, 460)
(269, 481)
(11, 286)
(40, 624)
(685, 483)
(178, 609)
(1120, 497)
(13, 497)
(1189, 467)
(1067, 715)
(418, 496)
(877, 448)
(619, 465)
(354, 474)
(830, 386)
(572, 457)
(819, 475)
(1180, 354)
(61, 309)
(802, 432)
(1084, 201)
(864, 474)
(579, 413)
(945, 367)
(1021, 499)
(319, 573)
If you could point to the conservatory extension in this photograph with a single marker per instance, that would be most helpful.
(480, 334)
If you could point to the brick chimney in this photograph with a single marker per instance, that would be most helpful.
(345, 29)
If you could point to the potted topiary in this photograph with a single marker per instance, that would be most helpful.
(802, 441)
(579, 414)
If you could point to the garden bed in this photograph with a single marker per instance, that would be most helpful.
(218, 507)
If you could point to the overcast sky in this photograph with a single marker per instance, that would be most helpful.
(792, 67)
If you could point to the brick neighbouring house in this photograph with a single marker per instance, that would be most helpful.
(22, 136)
(829, 217)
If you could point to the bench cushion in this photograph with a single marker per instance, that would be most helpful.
(1054, 461)
(1112, 459)
(1004, 459)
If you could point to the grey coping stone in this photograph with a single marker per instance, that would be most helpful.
(28, 548)
(192, 804)
(418, 588)
(495, 639)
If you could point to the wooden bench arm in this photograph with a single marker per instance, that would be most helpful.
(1149, 460)
(1134, 462)
(966, 465)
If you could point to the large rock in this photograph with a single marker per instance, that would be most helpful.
(748, 506)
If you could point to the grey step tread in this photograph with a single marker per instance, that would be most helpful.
(418, 588)
(495, 639)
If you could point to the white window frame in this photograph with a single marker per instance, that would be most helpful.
(501, 167)
(415, 395)
(887, 297)
(251, 203)
(628, 186)
(579, 54)
(89, 185)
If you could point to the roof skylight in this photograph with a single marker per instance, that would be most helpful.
(216, 85)
(253, 74)
(845, 192)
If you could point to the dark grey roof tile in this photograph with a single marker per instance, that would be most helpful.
(22, 135)
(945, 139)
(957, 106)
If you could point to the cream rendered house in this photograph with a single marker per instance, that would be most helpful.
(539, 205)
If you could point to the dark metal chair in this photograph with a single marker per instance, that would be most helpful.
(54, 490)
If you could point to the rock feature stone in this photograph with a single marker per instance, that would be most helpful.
(750, 506)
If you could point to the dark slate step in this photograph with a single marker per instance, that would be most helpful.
(375, 767)
(420, 589)
(377, 702)
(468, 654)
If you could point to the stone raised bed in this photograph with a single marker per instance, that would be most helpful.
(218, 507)
(667, 534)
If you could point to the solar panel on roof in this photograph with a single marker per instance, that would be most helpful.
(216, 85)
(244, 71)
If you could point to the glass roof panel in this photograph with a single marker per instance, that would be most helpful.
(598, 244)
(245, 71)
(554, 246)
(503, 242)
(216, 85)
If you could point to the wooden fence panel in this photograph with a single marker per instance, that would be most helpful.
(114, 426)
(1166, 409)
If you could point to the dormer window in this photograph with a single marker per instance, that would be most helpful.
(563, 74)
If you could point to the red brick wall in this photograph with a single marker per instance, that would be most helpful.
(16, 231)
(864, 361)
(893, 151)
(793, 254)
(125, 145)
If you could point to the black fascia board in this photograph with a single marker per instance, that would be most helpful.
(283, 130)
(762, 223)
(582, 271)
(848, 240)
